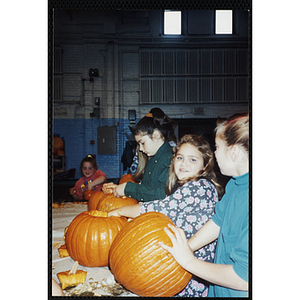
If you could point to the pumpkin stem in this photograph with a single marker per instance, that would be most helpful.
(74, 268)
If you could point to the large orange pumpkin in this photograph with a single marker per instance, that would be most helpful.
(140, 264)
(109, 202)
(126, 178)
(90, 236)
(94, 200)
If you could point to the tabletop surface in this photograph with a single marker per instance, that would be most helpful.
(99, 280)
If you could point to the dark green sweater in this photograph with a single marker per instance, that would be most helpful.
(153, 185)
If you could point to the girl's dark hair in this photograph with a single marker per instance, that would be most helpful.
(156, 119)
(208, 173)
(89, 158)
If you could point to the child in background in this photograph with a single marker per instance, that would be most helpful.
(93, 178)
(192, 194)
(152, 134)
(228, 275)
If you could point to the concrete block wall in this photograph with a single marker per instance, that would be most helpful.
(72, 117)
(118, 89)
(77, 135)
(88, 42)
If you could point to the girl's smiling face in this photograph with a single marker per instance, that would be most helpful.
(188, 161)
(88, 169)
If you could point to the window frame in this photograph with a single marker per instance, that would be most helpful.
(218, 13)
(164, 22)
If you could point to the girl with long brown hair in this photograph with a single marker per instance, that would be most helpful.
(192, 195)
(228, 275)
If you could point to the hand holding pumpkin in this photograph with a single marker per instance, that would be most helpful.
(119, 191)
(108, 188)
(180, 250)
(139, 264)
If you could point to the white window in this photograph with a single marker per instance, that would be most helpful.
(223, 22)
(172, 22)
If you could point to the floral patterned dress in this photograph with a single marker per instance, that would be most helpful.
(190, 207)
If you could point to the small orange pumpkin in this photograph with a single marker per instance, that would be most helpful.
(94, 200)
(126, 178)
(90, 236)
(87, 194)
(60, 152)
(57, 143)
(109, 202)
(140, 264)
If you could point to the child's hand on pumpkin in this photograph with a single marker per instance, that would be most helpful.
(119, 190)
(108, 188)
(180, 250)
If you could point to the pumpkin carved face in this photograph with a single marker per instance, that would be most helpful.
(90, 236)
(94, 200)
(140, 264)
(109, 202)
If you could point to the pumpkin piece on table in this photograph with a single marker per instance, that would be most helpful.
(140, 265)
(72, 277)
(127, 178)
(90, 236)
(109, 202)
(94, 200)
(63, 252)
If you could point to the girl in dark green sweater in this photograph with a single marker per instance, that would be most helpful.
(152, 133)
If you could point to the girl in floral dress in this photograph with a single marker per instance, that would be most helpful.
(228, 275)
(192, 193)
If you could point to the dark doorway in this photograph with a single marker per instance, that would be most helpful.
(204, 127)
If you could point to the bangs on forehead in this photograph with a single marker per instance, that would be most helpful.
(141, 133)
